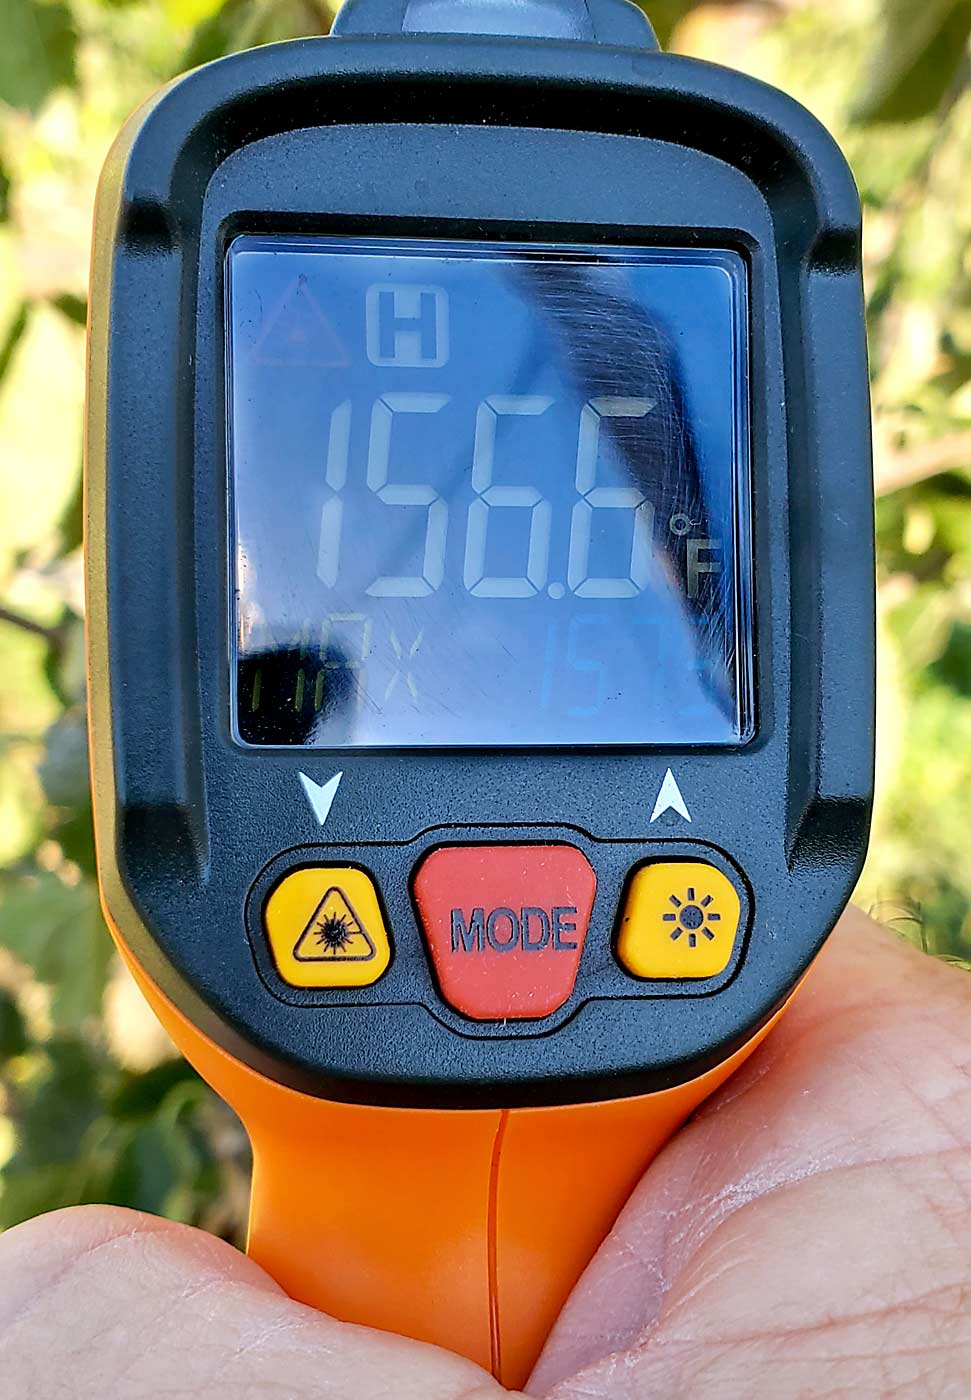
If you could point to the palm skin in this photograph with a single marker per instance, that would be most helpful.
(807, 1234)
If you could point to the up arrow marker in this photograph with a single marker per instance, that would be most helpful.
(321, 795)
(670, 799)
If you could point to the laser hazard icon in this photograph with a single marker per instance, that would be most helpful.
(298, 332)
(325, 928)
(334, 933)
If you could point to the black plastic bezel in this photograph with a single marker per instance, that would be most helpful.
(461, 137)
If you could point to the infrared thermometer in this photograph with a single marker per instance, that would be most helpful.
(480, 621)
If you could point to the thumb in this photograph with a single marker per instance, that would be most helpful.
(98, 1301)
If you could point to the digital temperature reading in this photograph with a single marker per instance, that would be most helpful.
(488, 495)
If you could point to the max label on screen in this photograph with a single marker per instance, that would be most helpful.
(530, 929)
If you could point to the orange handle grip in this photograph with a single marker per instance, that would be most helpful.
(465, 1228)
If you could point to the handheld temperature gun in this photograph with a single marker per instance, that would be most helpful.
(479, 555)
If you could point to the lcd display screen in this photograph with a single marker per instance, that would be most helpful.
(488, 495)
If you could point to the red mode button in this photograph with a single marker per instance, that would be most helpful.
(505, 925)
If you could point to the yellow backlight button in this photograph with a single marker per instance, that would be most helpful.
(325, 928)
(680, 920)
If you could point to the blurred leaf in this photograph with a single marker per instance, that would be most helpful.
(245, 24)
(665, 14)
(58, 1104)
(148, 1169)
(40, 419)
(57, 929)
(21, 823)
(71, 524)
(63, 770)
(189, 13)
(13, 1031)
(139, 1095)
(15, 334)
(4, 195)
(953, 667)
(75, 308)
(30, 1191)
(924, 44)
(79, 987)
(75, 836)
(216, 36)
(75, 1145)
(64, 666)
(38, 51)
(165, 1161)
(27, 707)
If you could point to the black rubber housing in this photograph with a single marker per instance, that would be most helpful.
(482, 138)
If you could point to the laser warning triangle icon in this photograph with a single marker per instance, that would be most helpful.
(298, 332)
(334, 933)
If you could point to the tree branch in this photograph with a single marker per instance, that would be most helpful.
(51, 635)
(894, 467)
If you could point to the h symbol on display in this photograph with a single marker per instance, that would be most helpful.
(407, 326)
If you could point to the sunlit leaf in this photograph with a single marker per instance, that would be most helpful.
(41, 397)
(189, 13)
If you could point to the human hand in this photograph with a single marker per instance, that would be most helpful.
(807, 1233)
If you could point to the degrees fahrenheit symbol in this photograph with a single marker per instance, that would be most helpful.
(321, 795)
(670, 799)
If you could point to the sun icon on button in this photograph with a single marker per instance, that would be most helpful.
(693, 917)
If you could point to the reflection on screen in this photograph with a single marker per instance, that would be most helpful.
(486, 495)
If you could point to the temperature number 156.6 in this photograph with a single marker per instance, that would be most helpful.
(489, 496)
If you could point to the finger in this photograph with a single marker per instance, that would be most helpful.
(98, 1302)
(862, 1089)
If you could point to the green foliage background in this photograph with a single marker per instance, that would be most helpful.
(93, 1103)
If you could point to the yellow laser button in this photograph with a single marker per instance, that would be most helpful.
(325, 928)
(680, 920)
